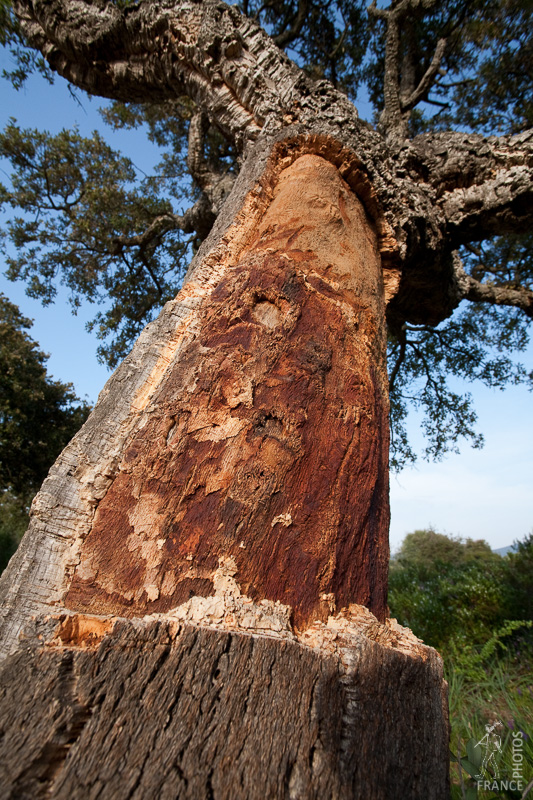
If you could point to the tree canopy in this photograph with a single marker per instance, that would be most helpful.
(81, 214)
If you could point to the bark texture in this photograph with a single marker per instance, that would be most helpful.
(267, 441)
(116, 710)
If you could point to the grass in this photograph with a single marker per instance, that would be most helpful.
(503, 696)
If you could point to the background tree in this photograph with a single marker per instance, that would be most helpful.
(129, 245)
(427, 548)
(38, 417)
(472, 604)
(457, 593)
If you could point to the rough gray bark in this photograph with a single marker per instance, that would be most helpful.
(223, 714)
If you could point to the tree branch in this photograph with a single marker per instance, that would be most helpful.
(478, 292)
(216, 185)
(391, 119)
(197, 219)
(483, 186)
(289, 35)
(395, 115)
(408, 103)
(500, 295)
(148, 52)
(401, 357)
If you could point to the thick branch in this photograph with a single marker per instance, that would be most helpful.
(153, 52)
(391, 116)
(484, 186)
(150, 51)
(478, 292)
(395, 114)
(500, 295)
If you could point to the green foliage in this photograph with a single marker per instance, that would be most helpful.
(458, 595)
(475, 607)
(499, 43)
(426, 550)
(38, 415)
(503, 694)
(520, 568)
(83, 214)
(167, 126)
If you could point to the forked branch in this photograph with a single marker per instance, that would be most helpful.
(397, 105)
(474, 290)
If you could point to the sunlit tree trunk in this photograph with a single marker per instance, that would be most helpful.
(266, 442)
(229, 493)
(259, 437)
(232, 483)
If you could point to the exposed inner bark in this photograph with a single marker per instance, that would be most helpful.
(267, 441)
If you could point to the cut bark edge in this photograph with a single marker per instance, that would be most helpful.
(283, 150)
(232, 613)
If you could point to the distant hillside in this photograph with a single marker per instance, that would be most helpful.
(502, 551)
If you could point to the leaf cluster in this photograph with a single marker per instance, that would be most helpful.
(82, 212)
(14, 521)
(492, 90)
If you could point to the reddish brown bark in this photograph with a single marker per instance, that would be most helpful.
(267, 441)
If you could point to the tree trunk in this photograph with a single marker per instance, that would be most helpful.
(234, 474)
(162, 709)
(267, 441)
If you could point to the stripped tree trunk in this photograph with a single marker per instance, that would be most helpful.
(234, 475)
(266, 442)
(257, 435)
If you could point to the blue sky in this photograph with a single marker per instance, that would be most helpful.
(478, 493)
